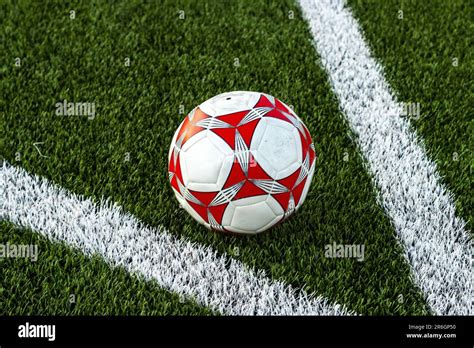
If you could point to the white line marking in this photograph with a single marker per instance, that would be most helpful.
(218, 282)
(436, 244)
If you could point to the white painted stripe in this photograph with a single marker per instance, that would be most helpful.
(436, 244)
(218, 282)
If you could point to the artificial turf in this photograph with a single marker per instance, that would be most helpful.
(63, 281)
(176, 64)
(428, 59)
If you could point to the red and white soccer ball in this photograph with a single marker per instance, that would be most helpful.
(241, 162)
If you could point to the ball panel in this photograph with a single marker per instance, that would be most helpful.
(276, 146)
(251, 214)
(274, 206)
(206, 161)
(270, 224)
(227, 103)
(252, 217)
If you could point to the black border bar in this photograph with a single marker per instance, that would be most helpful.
(239, 330)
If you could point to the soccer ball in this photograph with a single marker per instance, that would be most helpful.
(241, 162)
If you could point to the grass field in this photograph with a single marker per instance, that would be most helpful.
(428, 59)
(175, 64)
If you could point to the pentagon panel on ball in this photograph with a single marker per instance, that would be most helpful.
(241, 162)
